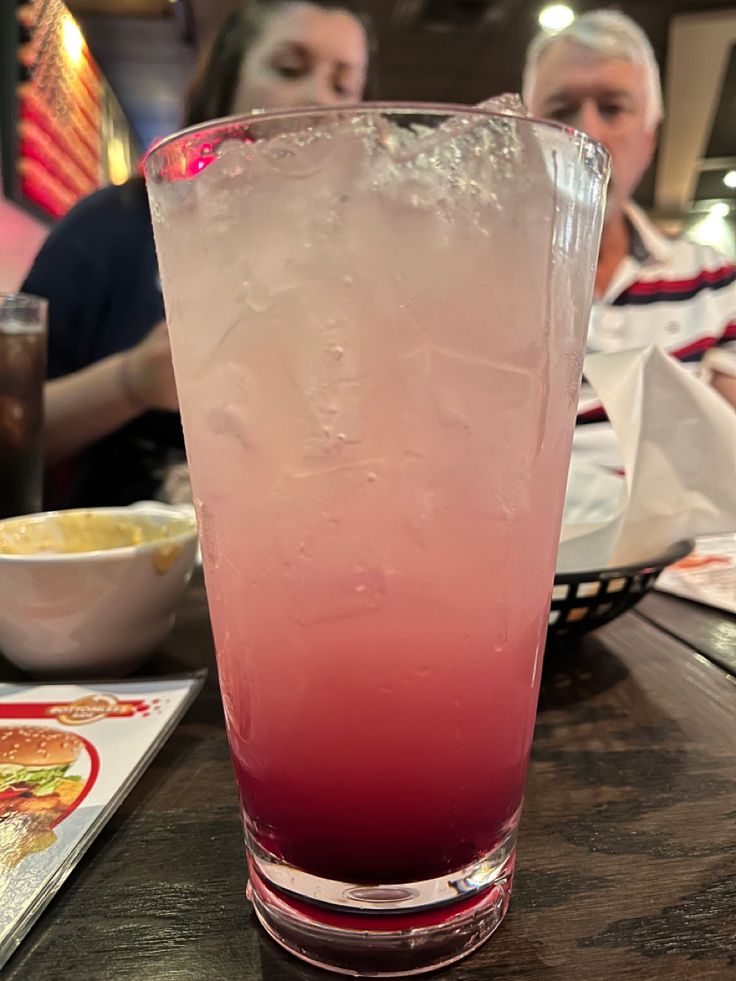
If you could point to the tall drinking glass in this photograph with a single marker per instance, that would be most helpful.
(377, 319)
(22, 376)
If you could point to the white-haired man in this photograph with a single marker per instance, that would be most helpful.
(600, 75)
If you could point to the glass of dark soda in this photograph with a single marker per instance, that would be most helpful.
(22, 377)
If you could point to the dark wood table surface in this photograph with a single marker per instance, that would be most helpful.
(627, 854)
(709, 631)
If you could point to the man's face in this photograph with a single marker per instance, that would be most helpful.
(605, 98)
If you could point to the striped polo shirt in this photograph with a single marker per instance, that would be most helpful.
(672, 293)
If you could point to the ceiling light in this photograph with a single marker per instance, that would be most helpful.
(556, 17)
(730, 179)
(720, 210)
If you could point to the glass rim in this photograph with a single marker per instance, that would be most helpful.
(23, 304)
(22, 299)
(403, 108)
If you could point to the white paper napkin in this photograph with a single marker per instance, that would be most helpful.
(677, 441)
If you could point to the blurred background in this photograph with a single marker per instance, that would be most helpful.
(86, 87)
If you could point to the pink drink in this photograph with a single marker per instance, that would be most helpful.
(378, 354)
(424, 688)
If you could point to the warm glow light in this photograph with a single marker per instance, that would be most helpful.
(720, 210)
(117, 161)
(556, 17)
(72, 39)
(730, 179)
(713, 229)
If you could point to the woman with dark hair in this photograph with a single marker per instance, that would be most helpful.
(111, 406)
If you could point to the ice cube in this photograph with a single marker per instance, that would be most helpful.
(471, 161)
(455, 126)
(297, 155)
(551, 139)
(14, 421)
(481, 415)
(227, 420)
(455, 166)
(506, 104)
(485, 130)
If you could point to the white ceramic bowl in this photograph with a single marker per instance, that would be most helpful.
(92, 613)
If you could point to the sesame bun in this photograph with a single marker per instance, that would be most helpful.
(37, 746)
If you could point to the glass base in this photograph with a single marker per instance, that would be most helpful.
(382, 931)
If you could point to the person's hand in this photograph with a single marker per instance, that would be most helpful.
(148, 374)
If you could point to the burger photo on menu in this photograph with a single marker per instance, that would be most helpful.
(43, 775)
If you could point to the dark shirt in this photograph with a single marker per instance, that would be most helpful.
(99, 273)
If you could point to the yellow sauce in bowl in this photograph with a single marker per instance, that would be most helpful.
(86, 531)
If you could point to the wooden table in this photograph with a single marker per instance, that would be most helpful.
(627, 856)
(707, 630)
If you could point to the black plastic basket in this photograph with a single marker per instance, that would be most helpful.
(583, 601)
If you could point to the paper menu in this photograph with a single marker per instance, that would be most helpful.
(708, 575)
(68, 756)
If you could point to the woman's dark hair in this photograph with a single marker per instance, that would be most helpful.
(215, 81)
